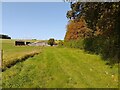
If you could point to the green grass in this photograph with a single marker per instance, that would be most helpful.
(61, 68)
(12, 53)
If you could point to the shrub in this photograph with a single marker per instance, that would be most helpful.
(60, 43)
(51, 41)
(74, 44)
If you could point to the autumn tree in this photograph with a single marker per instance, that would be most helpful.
(104, 21)
(77, 29)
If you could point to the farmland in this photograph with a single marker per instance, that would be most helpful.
(12, 53)
(56, 67)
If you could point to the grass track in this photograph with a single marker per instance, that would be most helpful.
(61, 68)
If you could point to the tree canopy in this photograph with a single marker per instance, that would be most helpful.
(51, 41)
(4, 36)
(98, 23)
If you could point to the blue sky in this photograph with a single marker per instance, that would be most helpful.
(39, 20)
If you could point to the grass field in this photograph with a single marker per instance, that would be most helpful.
(59, 68)
(12, 53)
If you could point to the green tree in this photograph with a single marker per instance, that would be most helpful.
(4, 36)
(103, 19)
(51, 41)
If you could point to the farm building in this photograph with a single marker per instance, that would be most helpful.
(28, 43)
(38, 44)
(19, 43)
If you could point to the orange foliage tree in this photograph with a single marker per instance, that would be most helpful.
(77, 29)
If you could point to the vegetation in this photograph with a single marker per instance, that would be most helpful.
(13, 54)
(51, 41)
(61, 68)
(60, 43)
(4, 36)
(77, 29)
(98, 24)
(93, 28)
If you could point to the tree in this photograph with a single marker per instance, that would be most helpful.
(51, 41)
(103, 19)
(77, 30)
(4, 36)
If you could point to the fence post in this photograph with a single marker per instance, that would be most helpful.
(1, 53)
(0, 57)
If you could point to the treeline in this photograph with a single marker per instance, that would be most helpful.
(4, 36)
(95, 27)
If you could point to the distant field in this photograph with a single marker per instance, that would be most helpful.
(58, 68)
(12, 53)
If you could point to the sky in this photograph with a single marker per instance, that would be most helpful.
(34, 20)
(33, 0)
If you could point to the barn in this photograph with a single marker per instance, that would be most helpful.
(19, 43)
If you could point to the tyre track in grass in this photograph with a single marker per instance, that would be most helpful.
(80, 68)
(47, 70)
(54, 68)
(55, 77)
(76, 78)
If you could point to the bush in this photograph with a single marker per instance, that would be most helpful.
(74, 44)
(110, 50)
(60, 43)
(51, 41)
(92, 45)
(107, 47)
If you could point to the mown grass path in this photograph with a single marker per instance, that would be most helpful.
(61, 68)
